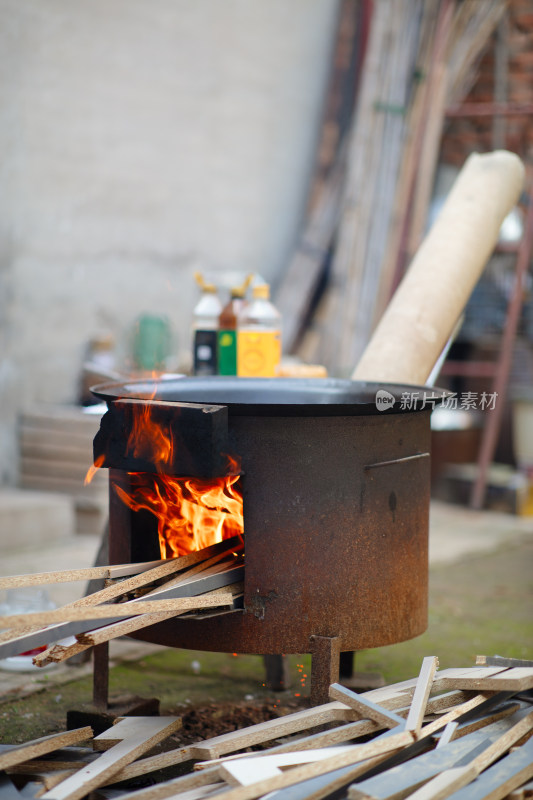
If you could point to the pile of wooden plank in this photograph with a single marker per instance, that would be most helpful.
(370, 212)
(56, 450)
(136, 596)
(461, 733)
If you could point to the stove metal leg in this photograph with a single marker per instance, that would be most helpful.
(277, 672)
(325, 655)
(101, 676)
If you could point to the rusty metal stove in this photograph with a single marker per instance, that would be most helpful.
(335, 500)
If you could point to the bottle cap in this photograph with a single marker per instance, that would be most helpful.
(205, 287)
(240, 291)
(261, 291)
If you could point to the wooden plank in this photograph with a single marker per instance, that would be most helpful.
(501, 778)
(148, 731)
(405, 777)
(524, 791)
(507, 774)
(45, 744)
(148, 568)
(124, 728)
(365, 707)
(383, 787)
(505, 742)
(455, 673)
(39, 637)
(57, 653)
(72, 575)
(40, 765)
(302, 277)
(324, 785)
(442, 786)
(501, 712)
(334, 736)
(455, 713)
(493, 679)
(237, 773)
(124, 627)
(320, 786)
(113, 610)
(61, 652)
(452, 780)
(392, 696)
(421, 695)
(448, 734)
(342, 733)
(265, 731)
(244, 771)
(176, 787)
(200, 558)
(501, 661)
(363, 755)
(236, 740)
(400, 780)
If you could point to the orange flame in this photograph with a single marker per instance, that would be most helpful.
(149, 439)
(192, 513)
(93, 469)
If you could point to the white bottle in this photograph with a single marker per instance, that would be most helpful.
(205, 328)
(259, 336)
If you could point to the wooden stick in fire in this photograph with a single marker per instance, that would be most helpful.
(12, 644)
(110, 610)
(59, 652)
(149, 576)
(116, 571)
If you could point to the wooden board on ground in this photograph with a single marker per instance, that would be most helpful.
(45, 744)
(366, 708)
(501, 778)
(140, 734)
(491, 679)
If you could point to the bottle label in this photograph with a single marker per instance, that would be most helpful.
(258, 353)
(227, 352)
(205, 352)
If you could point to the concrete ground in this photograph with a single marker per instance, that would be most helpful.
(455, 532)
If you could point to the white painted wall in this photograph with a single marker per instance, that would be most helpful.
(141, 140)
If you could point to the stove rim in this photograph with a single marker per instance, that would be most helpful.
(274, 396)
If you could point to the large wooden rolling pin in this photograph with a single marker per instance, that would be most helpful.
(426, 306)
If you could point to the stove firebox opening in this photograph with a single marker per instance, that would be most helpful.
(191, 513)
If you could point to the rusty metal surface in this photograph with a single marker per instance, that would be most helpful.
(336, 535)
(325, 657)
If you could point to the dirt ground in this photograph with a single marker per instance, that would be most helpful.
(482, 604)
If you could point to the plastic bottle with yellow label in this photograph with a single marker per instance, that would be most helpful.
(259, 336)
